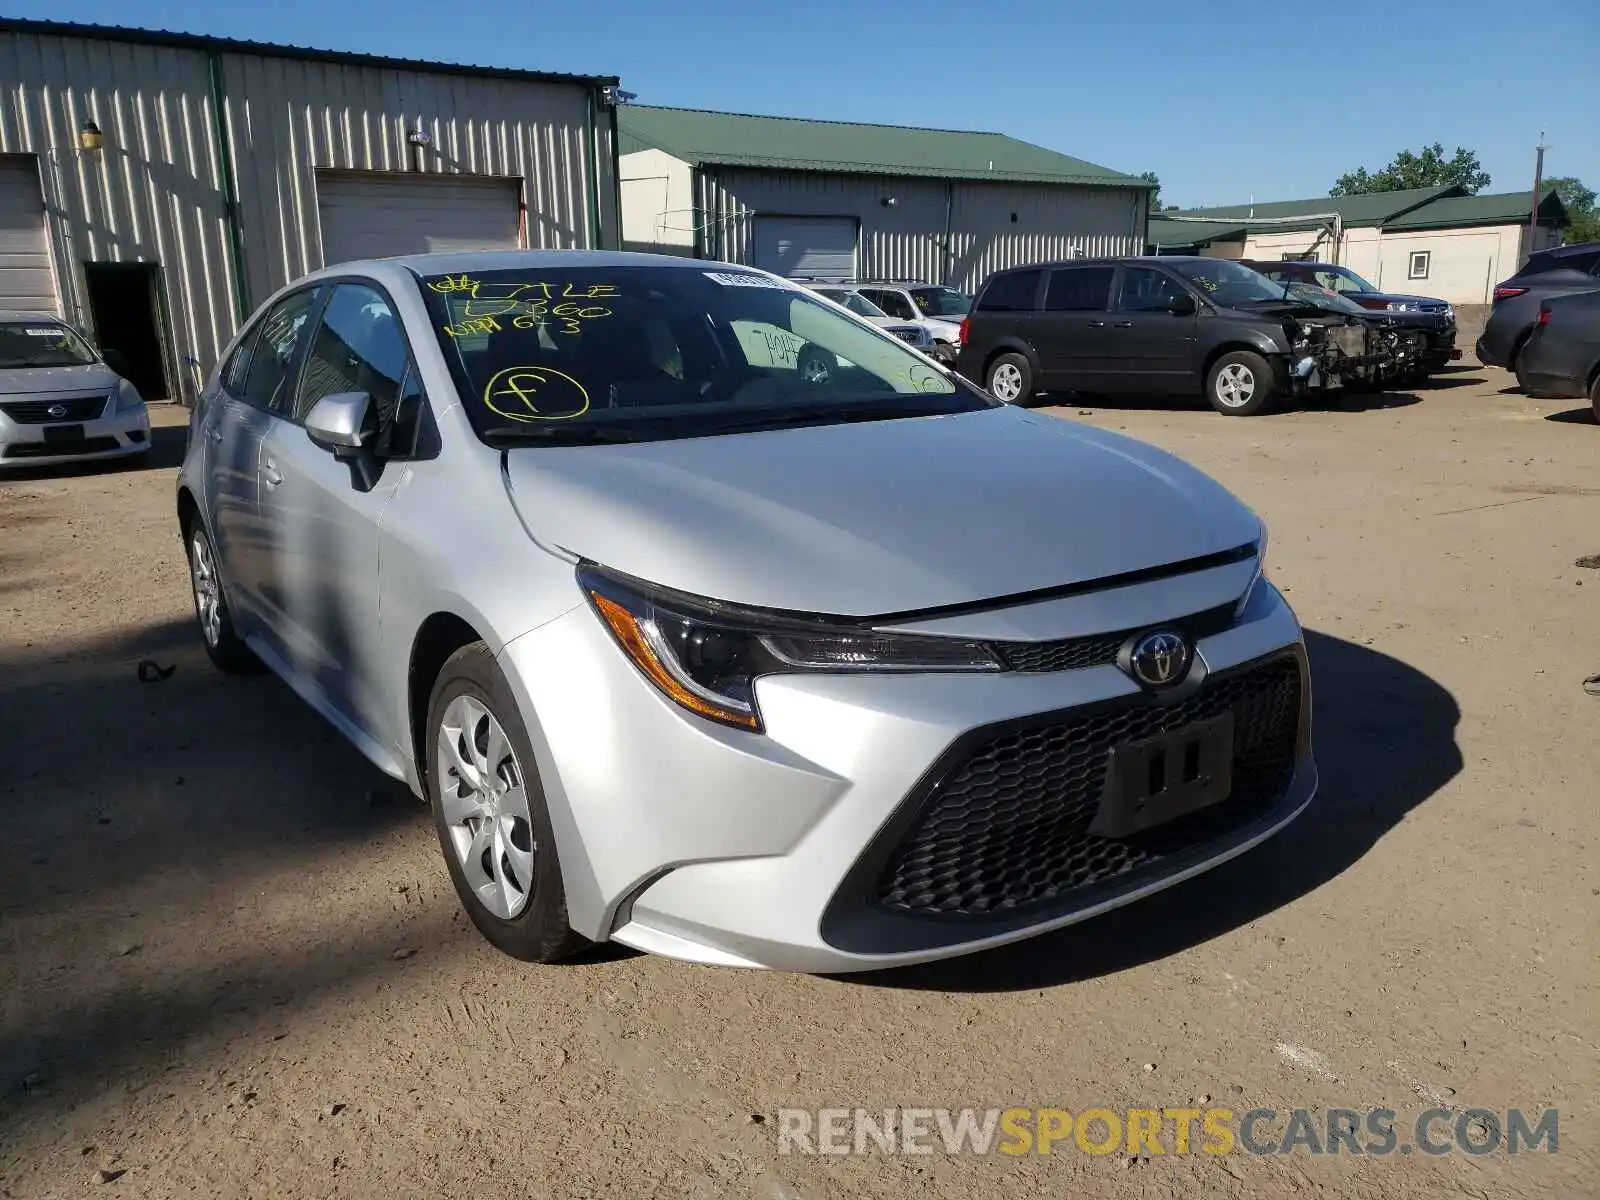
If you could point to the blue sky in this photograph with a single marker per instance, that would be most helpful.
(1222, 100)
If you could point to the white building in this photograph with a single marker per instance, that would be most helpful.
(833, 200)
(156, 187)
(1431, 241)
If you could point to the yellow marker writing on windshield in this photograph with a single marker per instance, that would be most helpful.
(535, 394)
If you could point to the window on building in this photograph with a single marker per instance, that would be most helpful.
(1419, 264)
(1079, 289)
(1011, 292)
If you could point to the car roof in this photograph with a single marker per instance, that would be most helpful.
(17, 314)
(451, 262)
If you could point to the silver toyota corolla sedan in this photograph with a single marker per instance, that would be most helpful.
(713, 620)
(59, 401)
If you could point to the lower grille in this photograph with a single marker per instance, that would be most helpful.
(94, 445)
(1101, 649)
(1007, 827)
(43, 412)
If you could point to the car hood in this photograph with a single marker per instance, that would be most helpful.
(27, 381)
(1394, 298)
(878, 517)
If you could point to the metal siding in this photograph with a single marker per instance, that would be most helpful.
(380, 215)
(905, 241)
(153, 194)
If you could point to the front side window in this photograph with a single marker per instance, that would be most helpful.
(941, 302)
(42, 343)
(1079, 289)
(644, 353)
(893, 303)
(358, 347)
(1011, 292)
(1147, 290)
(272, 360)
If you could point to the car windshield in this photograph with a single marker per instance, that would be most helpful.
(1324, 298)
(854, 301)
(1225, 282)
(941, 302)
(604, 354)
(42, 344)
(1342, 279)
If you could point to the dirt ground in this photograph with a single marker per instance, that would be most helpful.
(231, 963)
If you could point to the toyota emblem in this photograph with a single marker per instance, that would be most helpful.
(1159, 659)
(57, 410)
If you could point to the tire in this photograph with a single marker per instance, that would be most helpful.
(497, 840)
(224, 647)
(1241, 384)
(1010, 379)
(816, 365)
(1594, 399)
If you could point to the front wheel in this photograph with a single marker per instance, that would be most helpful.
(490, 812)
(1240, 384)
(1011, 379)
(1594, 399)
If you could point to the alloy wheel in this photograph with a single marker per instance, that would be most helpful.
(207, 589)
(1006, 382)
(484, 801)
(1236, 384)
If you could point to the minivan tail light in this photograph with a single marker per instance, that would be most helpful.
(1506, 293)
(966, 324)
(1544, 316)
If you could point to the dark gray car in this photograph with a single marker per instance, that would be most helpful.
(1165, 326)
(1562, 356)
(1561, 271)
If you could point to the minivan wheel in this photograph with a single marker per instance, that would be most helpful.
(1011, 379)
(224, 647)
(1240, 384)
(490, 814)
(1594, 399)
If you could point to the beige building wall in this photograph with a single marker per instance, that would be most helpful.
(657, 202)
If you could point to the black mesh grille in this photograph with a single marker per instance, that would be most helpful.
(1008, 826)
(1100, 649)
(94, 445)
(37, 412)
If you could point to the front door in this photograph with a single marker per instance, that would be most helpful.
(1151, 349)
(1072, 333)
(324, 513)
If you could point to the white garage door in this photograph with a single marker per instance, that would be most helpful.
(26, 281)
(372, 216)
(807, 247)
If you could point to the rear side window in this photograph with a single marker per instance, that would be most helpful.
(1013, 292)
(1539, 264)
(275, 346)
(1079, 289)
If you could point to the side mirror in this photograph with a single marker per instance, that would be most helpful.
(116, 360)
(344, 422)
(1181, 305)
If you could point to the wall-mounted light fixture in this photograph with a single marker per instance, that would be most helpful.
(419, 137)
(616, 97)
(90, 138)
(890, 201)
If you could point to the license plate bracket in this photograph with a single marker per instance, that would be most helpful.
(63, 433)
(1161, 778)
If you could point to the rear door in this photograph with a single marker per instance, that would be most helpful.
(1005, 313)
(243, 421)
(1073, 334)
(1151, 349)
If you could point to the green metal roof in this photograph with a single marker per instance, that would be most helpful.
(1500, 208)
(193, 41)
(794, 144)
(1370, 208)
(1163, 232)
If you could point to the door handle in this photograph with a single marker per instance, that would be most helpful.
(1124, 324)
(271, 474)
(1097, 324)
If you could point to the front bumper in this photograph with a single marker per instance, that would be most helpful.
(1485, 355)
(719, 846)
(113, 434)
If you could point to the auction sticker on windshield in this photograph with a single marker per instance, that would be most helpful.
(740, 279)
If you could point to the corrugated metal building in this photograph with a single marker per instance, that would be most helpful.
(834, 200)
(224, 169)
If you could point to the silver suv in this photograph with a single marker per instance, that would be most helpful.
(696, 645)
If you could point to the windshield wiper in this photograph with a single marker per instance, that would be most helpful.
(755, 422)
(505, 437)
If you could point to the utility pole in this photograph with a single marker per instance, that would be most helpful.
(1538, 181)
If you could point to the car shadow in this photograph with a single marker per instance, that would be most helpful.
(1385, 737)
(1574, 416)
(1436, 384)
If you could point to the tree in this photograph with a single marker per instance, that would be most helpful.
(1428, 169)
(1154, 181)
(1580, 204)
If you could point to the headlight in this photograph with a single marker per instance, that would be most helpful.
(706, 657)
(128, 397)
(1400, 306)
(1260, 573)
